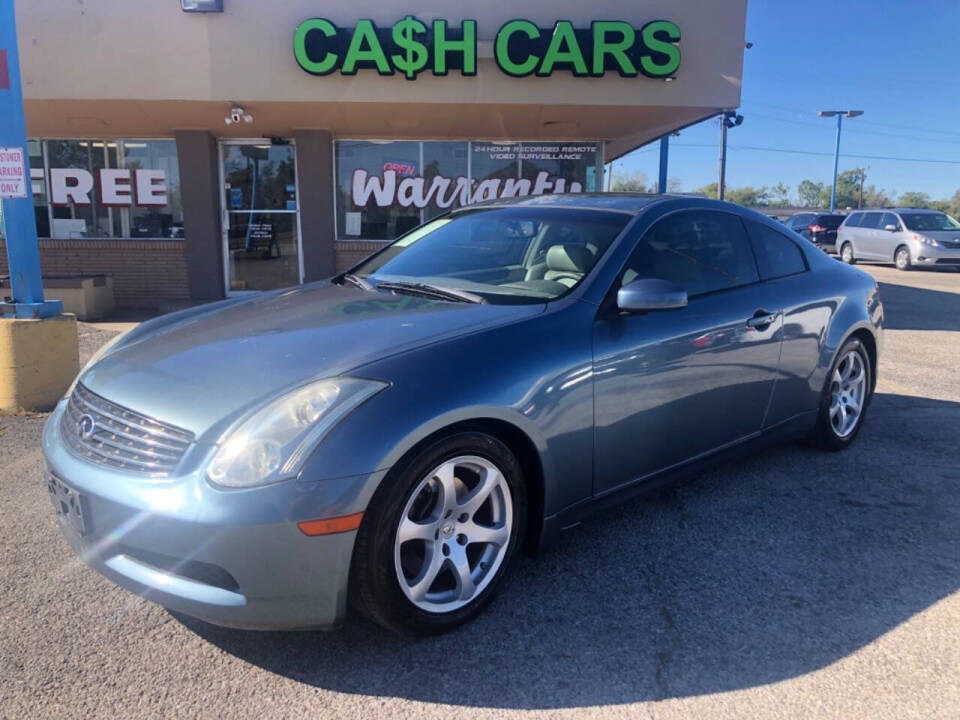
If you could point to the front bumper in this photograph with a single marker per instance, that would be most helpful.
(928, 256)
(230, 557)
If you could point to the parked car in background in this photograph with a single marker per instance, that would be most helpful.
(818, 228)
(394, 435)
(907, 237)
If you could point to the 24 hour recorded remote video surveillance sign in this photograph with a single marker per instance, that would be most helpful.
(410, 47)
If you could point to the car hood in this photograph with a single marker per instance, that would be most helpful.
(204, 369)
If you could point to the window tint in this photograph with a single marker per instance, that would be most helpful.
(871, 220)
(854, 220)
(777, 255)
(700, 250)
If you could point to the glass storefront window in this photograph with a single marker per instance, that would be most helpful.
(386, 188)
(106, 188)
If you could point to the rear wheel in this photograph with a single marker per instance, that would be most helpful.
(846, 254)
(438, 536)
(846, 395)
(901, 258)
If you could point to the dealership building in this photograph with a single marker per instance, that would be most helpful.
(190, 155)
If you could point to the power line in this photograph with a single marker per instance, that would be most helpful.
(801, 111)
(827, 154)
(857, 131)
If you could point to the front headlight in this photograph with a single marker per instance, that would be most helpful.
(274, 442)
(926, 240)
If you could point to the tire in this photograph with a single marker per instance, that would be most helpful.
(901, 258)
(846, 254)
(384, 572)
(830, 433)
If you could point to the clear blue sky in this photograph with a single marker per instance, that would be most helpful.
(898, 60)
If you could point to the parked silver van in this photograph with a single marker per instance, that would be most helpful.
(908, 237)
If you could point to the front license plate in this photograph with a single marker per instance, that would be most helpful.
(68, 504)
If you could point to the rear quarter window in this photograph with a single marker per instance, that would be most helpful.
(777, 255)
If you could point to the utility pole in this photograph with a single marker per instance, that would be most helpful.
(860, 200)
(664, 155)
(839, 114)
(728, 119)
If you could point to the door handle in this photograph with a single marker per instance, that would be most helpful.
(761, 319)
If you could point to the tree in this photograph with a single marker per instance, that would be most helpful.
(848, 190)
(809, 192)
(709, 191)
(914, 200)
(876, 197)
(748, 195)
(635, 182)
(780, 194)
(674, 185)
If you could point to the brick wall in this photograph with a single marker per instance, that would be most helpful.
(349, 254)
(146, 273)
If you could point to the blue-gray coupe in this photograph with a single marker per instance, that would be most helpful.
(388, 439)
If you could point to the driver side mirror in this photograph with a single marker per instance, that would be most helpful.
(890, 228)
(651, 294)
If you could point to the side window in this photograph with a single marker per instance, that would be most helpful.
(777, 255)
(890, 219)
(871, 220)
(700, 250)
(854, 220)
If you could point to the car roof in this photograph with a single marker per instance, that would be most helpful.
(903, 210)
(622, 202)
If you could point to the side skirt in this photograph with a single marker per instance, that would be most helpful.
(793, 428)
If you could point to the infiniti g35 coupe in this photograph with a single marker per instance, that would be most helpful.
(390, 438)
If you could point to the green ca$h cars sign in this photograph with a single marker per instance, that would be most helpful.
(411, 47)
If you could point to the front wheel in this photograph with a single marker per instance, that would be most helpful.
(846, 254)
(846, 395)
(902, 258)
(439, 535)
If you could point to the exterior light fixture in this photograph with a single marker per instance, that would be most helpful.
(202, 6)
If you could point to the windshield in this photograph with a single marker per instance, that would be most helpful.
(929, 221)
(504, 255)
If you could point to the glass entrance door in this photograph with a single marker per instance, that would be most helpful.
(260, 215)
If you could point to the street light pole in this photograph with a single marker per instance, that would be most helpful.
(728, 119)
(840, 114)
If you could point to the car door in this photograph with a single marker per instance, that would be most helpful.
(868, 240)
(889, 240)
(675, 384)
(785, 271)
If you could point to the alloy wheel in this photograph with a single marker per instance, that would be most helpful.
(453, 534)
(846, 253)
(903, 259)
(848, 390)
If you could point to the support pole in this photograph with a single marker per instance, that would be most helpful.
(836, 164)
(722, 163)
(19, 221)
(664, 154)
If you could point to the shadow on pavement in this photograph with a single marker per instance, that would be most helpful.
(920, 309)
(755, 572)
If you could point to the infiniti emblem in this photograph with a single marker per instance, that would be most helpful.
(86, 427)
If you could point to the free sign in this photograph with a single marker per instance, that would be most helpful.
(13, 175)
(117, 187)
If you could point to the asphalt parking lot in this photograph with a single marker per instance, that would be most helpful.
(791, 584)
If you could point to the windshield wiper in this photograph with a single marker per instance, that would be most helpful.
(434, 291)
(358, 281)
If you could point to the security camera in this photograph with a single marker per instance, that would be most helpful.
(237, 114)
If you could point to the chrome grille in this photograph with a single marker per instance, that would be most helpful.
(105, 433)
